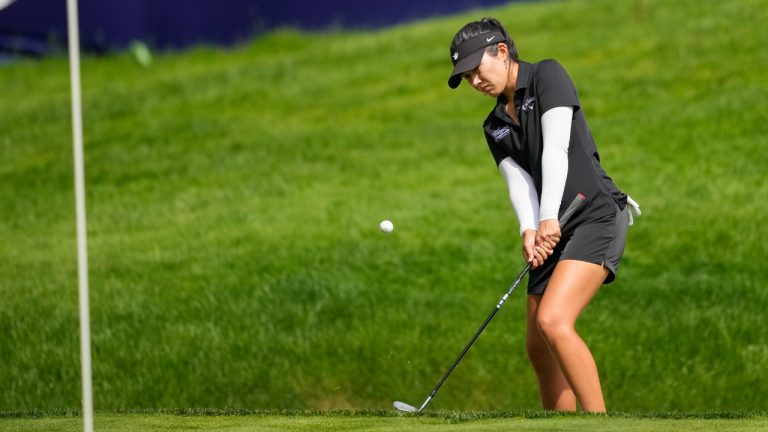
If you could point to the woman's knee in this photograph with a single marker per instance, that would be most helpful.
(552, 327)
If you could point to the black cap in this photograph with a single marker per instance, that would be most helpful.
(469, 53)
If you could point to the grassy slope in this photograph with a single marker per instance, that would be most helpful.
(234, 197)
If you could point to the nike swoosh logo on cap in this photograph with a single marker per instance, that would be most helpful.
(490, 38)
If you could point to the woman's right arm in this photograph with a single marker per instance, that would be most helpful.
(522, 194)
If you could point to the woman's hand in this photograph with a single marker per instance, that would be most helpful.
(533, 253)
(548, 235)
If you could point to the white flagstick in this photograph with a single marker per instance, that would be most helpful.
(5, 3)
(82, 245)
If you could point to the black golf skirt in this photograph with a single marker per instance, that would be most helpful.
(599, 242)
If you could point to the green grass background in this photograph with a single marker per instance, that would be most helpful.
(234, 197)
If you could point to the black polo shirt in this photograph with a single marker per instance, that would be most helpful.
(540, 87)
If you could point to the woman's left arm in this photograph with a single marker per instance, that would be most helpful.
(556, 134)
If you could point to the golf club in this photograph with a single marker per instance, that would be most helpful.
(401, 406)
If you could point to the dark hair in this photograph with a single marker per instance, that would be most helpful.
(485, 25)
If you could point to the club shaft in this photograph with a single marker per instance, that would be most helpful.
(575, 204)
(477, 334)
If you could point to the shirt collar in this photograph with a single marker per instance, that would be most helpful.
(523, 75)
(523, 80)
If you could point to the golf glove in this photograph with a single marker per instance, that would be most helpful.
(633, 207)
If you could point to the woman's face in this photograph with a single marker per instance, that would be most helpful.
(491, 76)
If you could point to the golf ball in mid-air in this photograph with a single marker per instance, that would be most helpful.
(386, 226)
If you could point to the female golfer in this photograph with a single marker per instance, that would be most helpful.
(539, 138)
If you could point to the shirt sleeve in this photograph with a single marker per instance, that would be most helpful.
(496, 151)
(554, 87)
(522, 194)
(556, 134)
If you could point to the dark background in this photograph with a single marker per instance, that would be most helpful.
(39, 26)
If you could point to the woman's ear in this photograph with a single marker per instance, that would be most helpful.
(502, 47)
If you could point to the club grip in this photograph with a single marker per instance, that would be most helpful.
(575, 205)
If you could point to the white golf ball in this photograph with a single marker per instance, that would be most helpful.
(386, 226)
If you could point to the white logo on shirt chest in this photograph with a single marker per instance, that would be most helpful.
(528, 104)
(500, 133)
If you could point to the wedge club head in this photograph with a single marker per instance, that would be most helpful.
(404, 407)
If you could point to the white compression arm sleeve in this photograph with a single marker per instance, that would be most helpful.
(556, 133)
(522, 194)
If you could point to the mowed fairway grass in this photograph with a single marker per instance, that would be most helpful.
(234, 197)
(381, 422)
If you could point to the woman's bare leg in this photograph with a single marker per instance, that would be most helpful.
(554, 390)
(570, 289)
